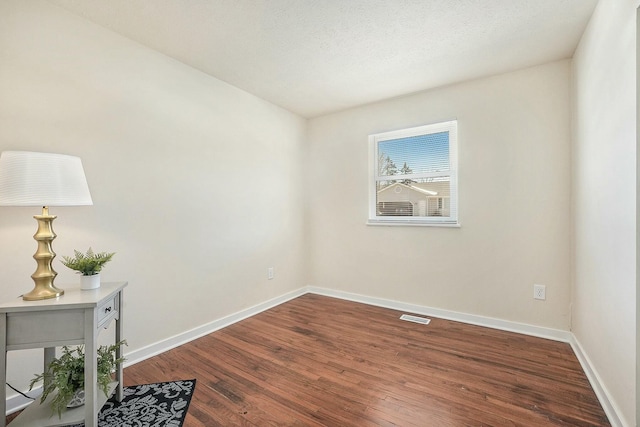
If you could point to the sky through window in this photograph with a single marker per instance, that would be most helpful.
(421, 153)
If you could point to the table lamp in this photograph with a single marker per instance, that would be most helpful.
(42, 179)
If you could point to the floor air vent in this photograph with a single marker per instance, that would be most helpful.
(415, 319)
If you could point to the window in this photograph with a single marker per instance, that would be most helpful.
(414, 176)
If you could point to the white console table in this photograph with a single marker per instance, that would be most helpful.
(73, 318)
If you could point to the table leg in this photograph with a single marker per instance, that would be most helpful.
(49, 355)
(90, 368)
(3, 368)
(119, 352)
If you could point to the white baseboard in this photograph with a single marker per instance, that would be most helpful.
(505, 325)
(601, 392)
(17, 402)
(608, 404)
(183, 338)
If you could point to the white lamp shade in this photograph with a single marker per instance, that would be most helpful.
(42, 179)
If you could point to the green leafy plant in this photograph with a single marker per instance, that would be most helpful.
(88, 263)
(66, 374)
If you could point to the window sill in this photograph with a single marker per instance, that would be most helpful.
(413, 224)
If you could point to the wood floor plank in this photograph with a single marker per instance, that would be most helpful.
(320, 361)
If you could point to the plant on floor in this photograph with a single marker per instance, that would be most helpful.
(66, 374)
(89, 263)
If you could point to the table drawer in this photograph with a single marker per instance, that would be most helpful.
(108, 310)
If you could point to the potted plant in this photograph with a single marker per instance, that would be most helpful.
(66, 375)
(89, 265)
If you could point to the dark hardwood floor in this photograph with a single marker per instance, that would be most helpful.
(326, 362)
(319, 361)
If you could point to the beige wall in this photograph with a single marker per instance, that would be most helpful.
(198, 187)
(604, 199)
(514, 148)
(195, 183)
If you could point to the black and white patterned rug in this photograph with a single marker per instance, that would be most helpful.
(149, 405)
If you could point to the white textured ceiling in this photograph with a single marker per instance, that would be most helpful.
(313, 57)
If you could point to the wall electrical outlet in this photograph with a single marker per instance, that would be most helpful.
(539, 292)
(270, 273)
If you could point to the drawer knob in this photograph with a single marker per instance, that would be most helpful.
(108, 309)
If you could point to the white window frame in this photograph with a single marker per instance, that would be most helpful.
(374, 140)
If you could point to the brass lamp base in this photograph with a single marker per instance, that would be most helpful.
(44, 274)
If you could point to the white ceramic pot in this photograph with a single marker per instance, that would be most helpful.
(78, 398)
(90, 282)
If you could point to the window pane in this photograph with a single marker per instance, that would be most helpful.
(427, 197)
(414, 155)
(413, 176)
